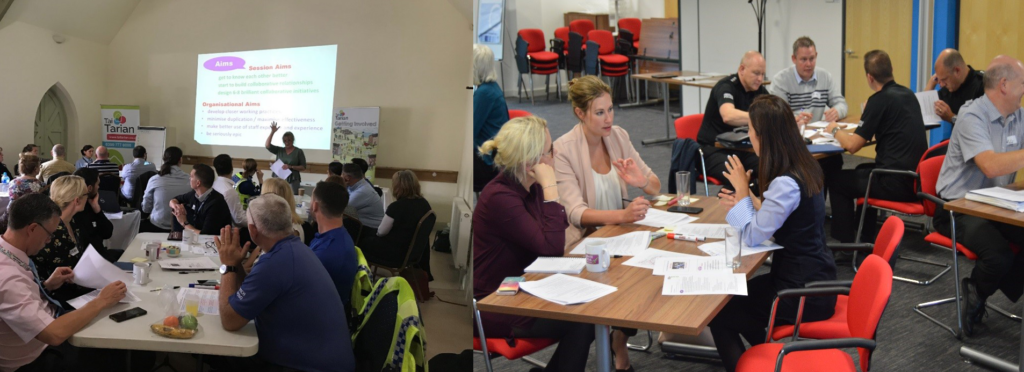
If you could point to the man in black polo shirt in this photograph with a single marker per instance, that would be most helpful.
(204, 210)
(892, 116)
(960, 83)
(727, 109)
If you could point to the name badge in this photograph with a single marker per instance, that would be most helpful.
(1011, 140)
(816, 95)
(74, 251)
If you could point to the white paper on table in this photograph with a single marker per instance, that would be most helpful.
(629, 244)
(194, 263)
(824, 124)
(80, 301)
(557, 265)
(278, 168)
(567, 290)
(927, 100)
(687, 78)
(209, 302)
(707, 230)
(647, 258)
(114, 216)
(1001, 193)
(705, 284)
(690, 265)
(660, 218)
(718, 248)
(94, 271)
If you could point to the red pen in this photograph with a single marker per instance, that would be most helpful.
(193, 285)
(673, 201)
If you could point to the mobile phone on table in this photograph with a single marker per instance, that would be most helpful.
(682, 209)
(127, 314)
(174, 236)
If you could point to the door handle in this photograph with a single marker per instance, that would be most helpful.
(849, 53)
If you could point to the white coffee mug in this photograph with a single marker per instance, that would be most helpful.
(598, 258)
(140, 272)
(153, 251)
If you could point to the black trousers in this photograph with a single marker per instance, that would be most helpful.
(66, 357)
(997, 267)
(574, 341)
(253, 363)
(715, 158)
(846, 186)
(748, 316)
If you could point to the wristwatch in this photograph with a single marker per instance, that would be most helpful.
(224, 269)
(835, 130)
(952, 120)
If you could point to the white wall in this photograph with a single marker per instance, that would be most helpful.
(396, 55)
(727, 29)
(32, 63)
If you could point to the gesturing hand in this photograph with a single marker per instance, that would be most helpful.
(831, 115)
(274, 127)
(227, 244)
(630, 172)
(727, 197)
(738, 176)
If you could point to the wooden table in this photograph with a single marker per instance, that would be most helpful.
(1002, 215)
(638, 302)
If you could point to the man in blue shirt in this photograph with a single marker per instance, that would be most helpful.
(363, 199)
(300, 320)
(131, 171)
(332, 244)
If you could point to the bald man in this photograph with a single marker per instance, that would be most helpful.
(726, 110)
(986, 151)
(103, 163)
(960, 83)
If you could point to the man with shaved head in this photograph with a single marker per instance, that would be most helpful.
(726, 110)
(103, 163)
(986, 151)
(960, 83)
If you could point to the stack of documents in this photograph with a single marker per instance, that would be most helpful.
(660, 218)
(567, 290)
(1000, 197)
(197, 263)
(630, 244)
(648, 257)
(718, 248)
(698, 275)
(557, 265)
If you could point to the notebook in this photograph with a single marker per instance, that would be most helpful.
(557, 265)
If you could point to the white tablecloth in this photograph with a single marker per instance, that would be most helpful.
(125, 230)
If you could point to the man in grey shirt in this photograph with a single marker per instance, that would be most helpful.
(810, 91)
(362, 199)
(131, 171)
(986, 151)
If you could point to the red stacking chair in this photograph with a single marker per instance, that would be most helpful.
(512, 114)
(561, 48)
(687, 127)
(510, 349)
(929, 177)
(632, 25)
(562, 33)
(914, 208)
(582, 27)
(610, 64)
(868, 296)
(541, 62)
(885, 246)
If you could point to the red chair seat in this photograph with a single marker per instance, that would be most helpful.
(543, 65)
(711, 180)
(543, 56)
(834, 327)
(942, 240)
(545, 71)
(524, 346)
(613, 73)
(762, 358)
(636, 45)
(614, 68)
(614, 59)
(902, 207)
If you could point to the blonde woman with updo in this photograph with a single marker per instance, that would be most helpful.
(518, 219)
(65, 247)
(595, 164)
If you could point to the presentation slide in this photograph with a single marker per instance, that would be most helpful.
(238, 95)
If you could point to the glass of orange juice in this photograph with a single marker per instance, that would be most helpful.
(192, 304)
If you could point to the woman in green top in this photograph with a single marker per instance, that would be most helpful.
(292, 157)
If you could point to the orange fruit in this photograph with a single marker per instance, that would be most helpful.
(171, 321)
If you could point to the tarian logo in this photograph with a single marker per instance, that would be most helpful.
(119, 119)
(340, 115)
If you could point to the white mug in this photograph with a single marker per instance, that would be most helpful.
(153, 251)
(140, 272)
(598, 258)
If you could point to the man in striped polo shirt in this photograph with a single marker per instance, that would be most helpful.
(810, 91)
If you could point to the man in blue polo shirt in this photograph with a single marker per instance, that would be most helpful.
(332, 244)
(300, 320)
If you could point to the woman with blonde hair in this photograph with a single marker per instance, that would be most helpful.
(65, 247)
(28, 165)
(595, 164)
(398, 226)
(246, 188)
(283, 189)
(518, 219)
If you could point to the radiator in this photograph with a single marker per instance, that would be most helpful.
(461, 233)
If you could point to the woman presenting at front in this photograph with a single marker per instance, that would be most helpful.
(292, 157)
(793, 211)
(591, 190)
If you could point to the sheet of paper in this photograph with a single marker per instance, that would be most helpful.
(567, 290)
(687, 78)
(93, 271)
(1001, 193)
(704, 284)
(278, 168)
(647, 258)
(707, 230)
(718, 248)
(557, 265)
(80, 301)
(194, 263)
(689, 265)
(208, 300)
(629, 244)
(824, 124)
(114, 216)
(927, 100)
(660, 218)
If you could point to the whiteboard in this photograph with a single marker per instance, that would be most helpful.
(154, 139)
(488, 25)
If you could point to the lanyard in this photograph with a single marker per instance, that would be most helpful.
(16, 259)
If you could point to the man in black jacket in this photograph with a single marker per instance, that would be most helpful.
(203, 211)
(93, 226)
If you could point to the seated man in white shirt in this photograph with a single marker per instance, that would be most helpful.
(225, 186)
(33, 329)
(363, 199)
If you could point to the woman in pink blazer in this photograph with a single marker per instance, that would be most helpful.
(594, 163)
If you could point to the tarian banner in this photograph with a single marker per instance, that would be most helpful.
(120, 128)
(355, 136)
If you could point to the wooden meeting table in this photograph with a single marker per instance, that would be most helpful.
(638, 302)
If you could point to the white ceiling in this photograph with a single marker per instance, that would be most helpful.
(94, 20)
